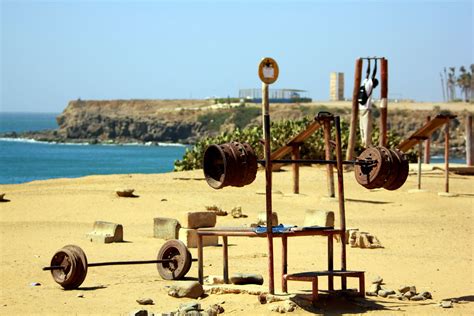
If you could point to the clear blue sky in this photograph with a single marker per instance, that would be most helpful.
(56, 51)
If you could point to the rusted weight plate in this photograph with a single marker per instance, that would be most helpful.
(229, 164)
(178, 253)
(66, 259)
(373, 176)
(81, 266)
(402, 173)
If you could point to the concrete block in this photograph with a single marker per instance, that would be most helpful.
(199, 219)
(189, 237)
(319, 218)
(262, 219)
(166, 228)
(106, 232)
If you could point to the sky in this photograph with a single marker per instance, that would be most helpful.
(56, 51)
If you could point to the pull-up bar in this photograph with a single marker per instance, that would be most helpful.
(372, 58)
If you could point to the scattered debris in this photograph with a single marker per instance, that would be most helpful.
(35, 284)
(139, 312)
(236, 212)
(126, 193)
(215, 279)
(145, 301)
(164, 200)
(192, 289)
(2, 197)
(359, 239)
(405, 292)
(216, 209)
(286, 307)
(262, 219)
(242, 279)
(218, 290)
(265, 298)
(80, 295)
(446, 304)
(188, 307)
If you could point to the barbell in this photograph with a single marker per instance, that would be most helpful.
(235, 164)
(69, 264)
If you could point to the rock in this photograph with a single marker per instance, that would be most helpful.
(215, 279)
(426, 295)
(385, 293)
(374, 288)
(404, 288)
(408, 294)
(395, 296)
(286, 307)
(190, 238)
(446, 304)
(145, 301)
(319, 218)
(371, 293)
(187, 307)
(377, 280)
(262, 299)
(191, 289)
(241, 279)
(126, 192)
(198, 219)
(35, 284)
(236, 212)
(218, 309)
(139, 312)
(417, 298)
(166, 228)
(80, 295)
(262, 219)
(412, 289)
(216, 209)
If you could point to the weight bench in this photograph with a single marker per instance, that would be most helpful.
(313, 277)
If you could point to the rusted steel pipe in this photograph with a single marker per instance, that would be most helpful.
(355, 110)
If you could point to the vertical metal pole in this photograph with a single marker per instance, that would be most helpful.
(331, 261)
(427, 145)
(284, 263)
(355, 110)
(268, 187)
(469, 140)
(446, 156)
(327, 148)
(420, 150)
(383, 102)
(225, 254)
(340, 191)
(200, 260)
(295, 154)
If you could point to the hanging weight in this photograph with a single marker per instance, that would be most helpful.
(402, 173)
(69, 264)
(373, 175)
(229, 164)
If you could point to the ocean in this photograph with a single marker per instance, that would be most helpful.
(27, 160)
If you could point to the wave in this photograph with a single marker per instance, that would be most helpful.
(34, 141)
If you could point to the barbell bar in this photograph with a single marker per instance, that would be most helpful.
(69, 264)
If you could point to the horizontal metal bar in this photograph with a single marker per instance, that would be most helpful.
(115, 263)
(320, 161)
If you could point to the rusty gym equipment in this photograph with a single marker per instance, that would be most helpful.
(235, 164)
(69, 264)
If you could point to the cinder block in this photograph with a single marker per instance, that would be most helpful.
(319, 218)
(166, 228)
(199, 219)
(106, 232)
(262, 218)
(189, 237)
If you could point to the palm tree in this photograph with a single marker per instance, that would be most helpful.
(464, 82)
(452, 83)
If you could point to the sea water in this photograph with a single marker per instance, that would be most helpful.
(23, 160)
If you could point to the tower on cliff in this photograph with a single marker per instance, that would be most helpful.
(336, 86)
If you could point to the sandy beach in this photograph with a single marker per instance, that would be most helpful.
(427, 241)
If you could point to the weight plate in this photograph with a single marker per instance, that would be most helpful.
(177, 252)
(374, 175)
(394, 170)
(81, 265)
(66, 259)
(402, 173)
(189, 262)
